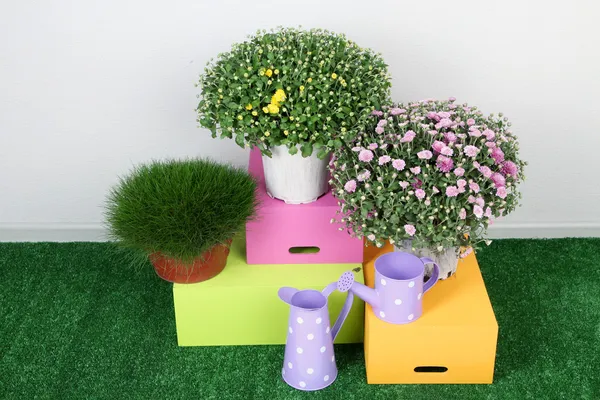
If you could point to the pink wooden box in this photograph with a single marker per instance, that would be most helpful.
(285, 233)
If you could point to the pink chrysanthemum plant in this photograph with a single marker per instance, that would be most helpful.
(432, 172)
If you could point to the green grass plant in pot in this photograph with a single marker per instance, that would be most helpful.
(296, 95)
(182, 215)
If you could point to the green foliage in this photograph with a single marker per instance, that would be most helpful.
(292, 87)
(180, 208)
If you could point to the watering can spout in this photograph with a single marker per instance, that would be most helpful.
(368, 295)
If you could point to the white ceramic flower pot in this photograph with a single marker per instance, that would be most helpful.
(447, 259)
(293, 178)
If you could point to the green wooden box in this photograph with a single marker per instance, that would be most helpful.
(240, 306)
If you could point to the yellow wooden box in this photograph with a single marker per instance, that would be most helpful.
(454, 341)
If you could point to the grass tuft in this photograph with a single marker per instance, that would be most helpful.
(180, 208)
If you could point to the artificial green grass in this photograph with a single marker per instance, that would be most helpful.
(74, 323)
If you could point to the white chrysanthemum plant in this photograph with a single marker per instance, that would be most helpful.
(429, 177)
(292, 92)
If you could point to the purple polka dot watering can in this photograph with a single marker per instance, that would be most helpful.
(399, 287)
(309, 361)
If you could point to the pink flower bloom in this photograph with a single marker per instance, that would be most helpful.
(373, 146)
(403, 184)
(365, 155)
(377, 113)
(510, 168)
(489, 134)
(501, 192)
(480, 202)
(478, 211)
(471, 151)
(461, 183)
(432, 132)
(485, 171)
(384, 159)
(343, 167)
(452, 191)
(371, 237)
(398, 164)
(444, 123)
(470, 122)
(432, 115)
(435, 190)
(459, 171)
(410, 229)
(397, 111)
(415, 170)
(490, 144)
(357, 148)
(444, 114)
(476, 164)
(498, 180)
(498, 155)
(379, 129)
(474, 132)
(450, 137)
(488, 212)
(363, 176)
(408, 137)
(444, 163)
(447, 151)
(471, 199)
(420, 193)
(451, 99)
(350, 186)
(438, 145)
(474, 187)
(425, 155)
(462, 214)
(383, 146)
(382, 122)
(452, 106)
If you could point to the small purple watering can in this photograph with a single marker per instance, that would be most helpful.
(399, 288)
(309, 362)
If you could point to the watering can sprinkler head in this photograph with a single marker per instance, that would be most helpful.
(348, 283)
(345, 282)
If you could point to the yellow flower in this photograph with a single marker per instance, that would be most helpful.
(269, 72)
(334, 76)
(309, 80)
(286, 133)
(240, 117)
(267, 133)
(273, 108)
(276, 72)
(291, 118)
(261, 72)
(265, 109)
(248, 106)
(278, 97)
(301, 88)
(254, 113)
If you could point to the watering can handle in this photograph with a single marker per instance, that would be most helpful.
(434, 276)
(345, 309)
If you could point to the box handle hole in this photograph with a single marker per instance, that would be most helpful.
(431, 368)
(304, 250)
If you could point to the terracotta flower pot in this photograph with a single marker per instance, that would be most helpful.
(207, 266)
